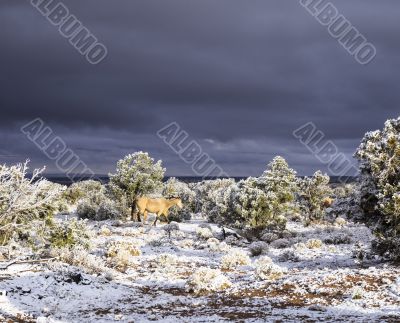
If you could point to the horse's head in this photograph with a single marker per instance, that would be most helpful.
(178, 202)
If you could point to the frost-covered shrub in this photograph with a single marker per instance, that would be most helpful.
(345, 190)
(136, 174)
(185, 243)
(281, 180)
(81, 190)
(314, 244)
(101, 204)
(269, 236)
(170, 228)
(24, 199)
(235, 258)
(379, 157)
(245, 206)
(289, 255)
(80, 257)
(204, 233)
(338, 238)
(312, 194)
(281, 243)
(258, 248)
(175, 188)
(265, 269)
(166, 262)
(205, 194)
(216, 246)
(205, 280)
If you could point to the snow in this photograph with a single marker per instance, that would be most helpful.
(319, 281)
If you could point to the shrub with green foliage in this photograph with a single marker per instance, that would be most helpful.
(102, 204)
(69, 234)
(80, 190)
(243, 206)
(256, 203)
(379, 157)
(312, 193)
(279, 181)
(137, 174)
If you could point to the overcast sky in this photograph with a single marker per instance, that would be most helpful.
(238, 76)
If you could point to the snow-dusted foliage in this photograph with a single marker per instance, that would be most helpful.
(68, 233)
(258, 248)
(136, 174)
(255, 203)
(281, 180)
(206, 193)
(265, 269)
(205, 280)
(175, 188)
(101, 204)
(81, 258)
(379, 157)
(80, 190)
(235, 258)
(313, 193)
(171, 228)
(24, 199)
(243, 205)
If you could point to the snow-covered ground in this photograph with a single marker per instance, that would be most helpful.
(316, 281)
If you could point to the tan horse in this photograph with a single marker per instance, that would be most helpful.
(158, 206)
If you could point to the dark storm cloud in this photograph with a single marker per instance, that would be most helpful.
(243, 74)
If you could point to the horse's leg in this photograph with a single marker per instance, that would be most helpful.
(154, 224)
(145, 216)
(166, 215)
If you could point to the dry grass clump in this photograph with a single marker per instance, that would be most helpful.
(132, 232)
(314, 244)
(204, 233)
(105, 231)
(358, 293)
(265, 269)
(167, 260)
(340, 222)
(120, 253)
(184, 244)
(205, 280)
(235, 258)
(217, 246)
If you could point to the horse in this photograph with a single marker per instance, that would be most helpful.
(159, 206)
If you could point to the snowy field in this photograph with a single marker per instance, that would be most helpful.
(313, 277)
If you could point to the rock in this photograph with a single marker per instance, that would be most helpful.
(317, 308)
(258, 248)
(25, 290)
(269, 237)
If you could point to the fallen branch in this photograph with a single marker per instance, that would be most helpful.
(2, 267)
